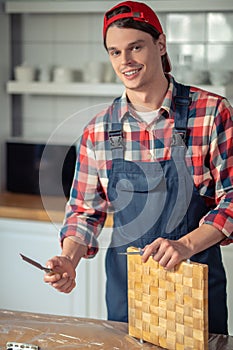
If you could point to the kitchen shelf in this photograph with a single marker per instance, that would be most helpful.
(85, 89)
(226, 91)
(69, 89)
(102, 6)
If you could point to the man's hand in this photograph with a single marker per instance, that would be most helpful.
(63, 277)
(167, 253)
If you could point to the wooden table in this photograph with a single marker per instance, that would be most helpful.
(60, 332)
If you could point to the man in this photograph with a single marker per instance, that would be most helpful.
(161, 158)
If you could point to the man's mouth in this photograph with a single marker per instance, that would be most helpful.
(132, 72)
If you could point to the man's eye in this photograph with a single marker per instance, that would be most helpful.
(136, 48)
(115, 53)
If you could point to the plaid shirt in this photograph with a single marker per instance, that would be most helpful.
(209, 159)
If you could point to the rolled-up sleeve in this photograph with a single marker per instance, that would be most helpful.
(86, 208)
(221, 167)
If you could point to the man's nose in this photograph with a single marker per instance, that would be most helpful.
(126, 57)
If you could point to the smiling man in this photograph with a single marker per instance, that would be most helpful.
(161, 158)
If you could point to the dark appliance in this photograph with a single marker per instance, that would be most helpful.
(40, 168)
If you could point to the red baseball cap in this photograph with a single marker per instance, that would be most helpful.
(138, 12)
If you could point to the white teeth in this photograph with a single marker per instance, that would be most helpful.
(131, 72)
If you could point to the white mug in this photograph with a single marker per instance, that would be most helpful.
(24, 73)
(93, 72)
(62, 75)
(109, 75)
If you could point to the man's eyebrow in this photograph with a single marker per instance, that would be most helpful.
(139, 41)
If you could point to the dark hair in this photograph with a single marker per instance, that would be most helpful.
(131, 23)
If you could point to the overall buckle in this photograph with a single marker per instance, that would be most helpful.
(115, 138)
(178, 138)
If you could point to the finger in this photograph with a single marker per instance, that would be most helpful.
(143, 249)
(51, 277)
(59, 284)
(66, 275)
(147, 253)
(72, 286)
(164, 260)
(159, 255)
(65, 285)
(152, 249)
(64, 278)
(53, 262)
(170, 259)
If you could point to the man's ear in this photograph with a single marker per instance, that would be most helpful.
(162, 44)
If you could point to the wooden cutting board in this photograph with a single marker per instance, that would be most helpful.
(168, 308)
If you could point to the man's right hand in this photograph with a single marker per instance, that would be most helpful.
(63, 277)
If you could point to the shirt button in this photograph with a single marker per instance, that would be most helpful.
(149, 156)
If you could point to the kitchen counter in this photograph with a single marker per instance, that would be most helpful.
(61, 332)
(32, 207)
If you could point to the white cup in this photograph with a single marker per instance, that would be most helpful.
(221, 77)
(62, 75)
(109, 75)
(24, 73)
(93, 72)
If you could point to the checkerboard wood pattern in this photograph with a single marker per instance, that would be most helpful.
(168, 308)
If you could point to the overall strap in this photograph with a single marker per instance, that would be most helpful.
(115, 135)
(182, 103)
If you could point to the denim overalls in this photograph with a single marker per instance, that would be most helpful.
(157, 199)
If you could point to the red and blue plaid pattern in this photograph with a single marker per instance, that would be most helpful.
(209, 159)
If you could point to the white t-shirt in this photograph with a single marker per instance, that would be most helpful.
(148, 117)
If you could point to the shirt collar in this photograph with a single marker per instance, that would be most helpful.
(166, 105)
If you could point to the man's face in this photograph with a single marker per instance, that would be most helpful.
(135, 56)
